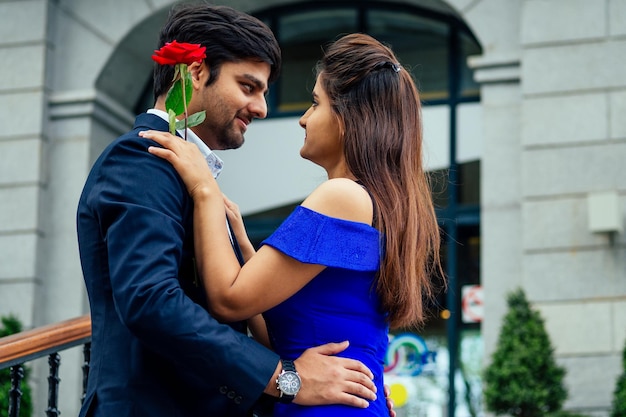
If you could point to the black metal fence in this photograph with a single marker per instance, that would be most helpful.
(18, 349)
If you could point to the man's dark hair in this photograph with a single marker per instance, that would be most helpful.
(228, 35)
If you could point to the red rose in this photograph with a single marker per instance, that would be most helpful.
(173, 53)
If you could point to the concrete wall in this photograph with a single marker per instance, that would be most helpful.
(573, 144)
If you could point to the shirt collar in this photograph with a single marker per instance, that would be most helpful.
(215, 163)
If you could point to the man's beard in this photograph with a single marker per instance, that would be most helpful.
(228, 138)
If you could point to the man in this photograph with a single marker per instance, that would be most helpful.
(155, 349)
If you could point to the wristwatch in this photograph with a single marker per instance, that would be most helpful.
(288, 382)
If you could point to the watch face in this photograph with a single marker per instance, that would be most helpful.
(289, 383)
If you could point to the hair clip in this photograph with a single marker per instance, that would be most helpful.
(388, 64)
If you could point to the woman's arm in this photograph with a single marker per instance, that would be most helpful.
(258, 328)
(236, 223)
(233, 291)
(270, 276)
(256, 324)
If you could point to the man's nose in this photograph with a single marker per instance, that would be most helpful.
(258, 107)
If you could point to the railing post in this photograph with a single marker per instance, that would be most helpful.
(15, 394)
(87, 359)
(54, 360)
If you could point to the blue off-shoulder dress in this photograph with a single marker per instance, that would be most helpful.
(339, 304)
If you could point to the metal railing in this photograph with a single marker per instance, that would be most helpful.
(17, 349)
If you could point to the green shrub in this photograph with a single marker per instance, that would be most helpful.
(619, 396)
(523, 379)
(11, 325)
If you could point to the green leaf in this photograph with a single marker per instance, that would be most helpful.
(193, 120)
(174, 100)
(172, 120)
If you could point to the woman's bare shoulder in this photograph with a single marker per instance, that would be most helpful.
(342, 198)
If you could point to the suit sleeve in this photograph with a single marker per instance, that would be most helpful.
(143, 204)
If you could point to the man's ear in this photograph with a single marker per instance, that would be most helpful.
(199, 74)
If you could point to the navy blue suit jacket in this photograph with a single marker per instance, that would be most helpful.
(155, 349)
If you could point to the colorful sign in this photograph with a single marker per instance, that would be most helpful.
(408, 355)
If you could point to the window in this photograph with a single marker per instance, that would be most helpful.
(421, 46)
(433, 47)
(301, 37)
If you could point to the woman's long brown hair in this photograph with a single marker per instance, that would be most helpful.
(378, 107)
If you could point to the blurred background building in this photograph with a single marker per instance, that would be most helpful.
(524, 104)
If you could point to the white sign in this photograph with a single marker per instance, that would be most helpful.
(472, 304)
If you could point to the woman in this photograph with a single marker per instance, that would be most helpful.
(356, 257)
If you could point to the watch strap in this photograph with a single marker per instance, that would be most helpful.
(288, 365)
